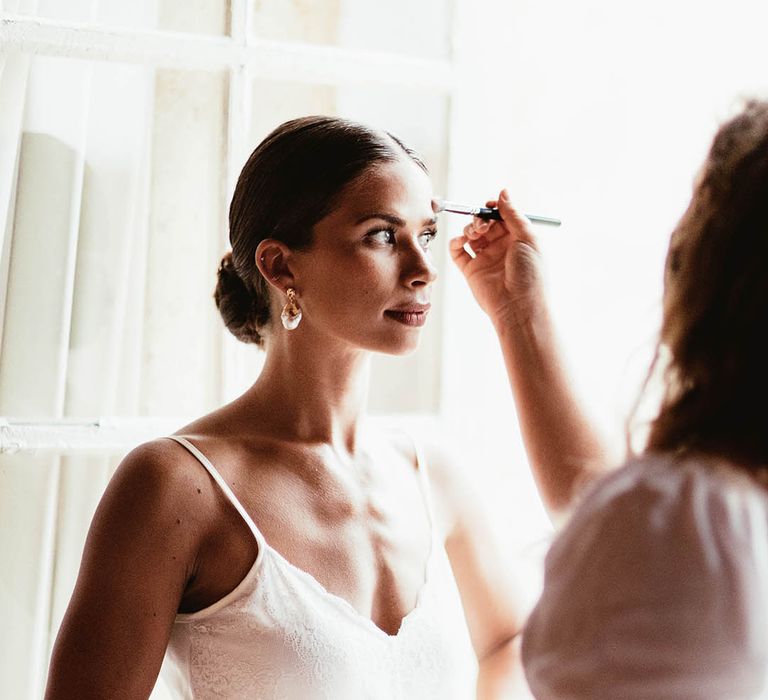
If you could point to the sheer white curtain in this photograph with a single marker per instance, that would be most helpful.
(79, 338)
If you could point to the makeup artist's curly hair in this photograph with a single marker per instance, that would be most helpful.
(290, 182)
(716, 304)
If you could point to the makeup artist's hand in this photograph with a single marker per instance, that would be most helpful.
(505, 274)
(564, 449)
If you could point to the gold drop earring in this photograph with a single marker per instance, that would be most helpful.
(291, 315)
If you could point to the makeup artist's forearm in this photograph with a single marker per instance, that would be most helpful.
(560, 442)
(500, 674)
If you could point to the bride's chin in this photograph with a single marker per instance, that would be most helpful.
(406, 347)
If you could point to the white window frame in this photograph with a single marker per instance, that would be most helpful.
(245, 58)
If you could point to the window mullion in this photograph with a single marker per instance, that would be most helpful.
(69, 436)
(272, 60)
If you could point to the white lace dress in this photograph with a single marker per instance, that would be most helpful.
(281, 634)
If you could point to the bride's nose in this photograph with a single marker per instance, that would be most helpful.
(418, 269)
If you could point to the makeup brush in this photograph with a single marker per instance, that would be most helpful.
(492, 213)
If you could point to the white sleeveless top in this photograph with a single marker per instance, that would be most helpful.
(281, 634)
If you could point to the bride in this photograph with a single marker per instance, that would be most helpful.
(281, 546)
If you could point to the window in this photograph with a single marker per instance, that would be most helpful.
(124, 125)
(122, 131)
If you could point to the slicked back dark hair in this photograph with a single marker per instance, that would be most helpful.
(290, 182)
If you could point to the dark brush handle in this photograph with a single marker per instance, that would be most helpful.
(488, 213)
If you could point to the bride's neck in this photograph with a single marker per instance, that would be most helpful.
(315, 396)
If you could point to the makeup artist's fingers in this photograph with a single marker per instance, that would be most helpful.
(456, 244)
(477, 246)
(477, 227)
(481, 228)
(511, 219)
(477, 239)
(459, 255)
(514, 221)
(491, 249)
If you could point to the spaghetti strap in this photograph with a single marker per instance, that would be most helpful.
(281, 632)
(219, 479)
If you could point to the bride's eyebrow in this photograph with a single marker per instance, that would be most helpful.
(392, 219)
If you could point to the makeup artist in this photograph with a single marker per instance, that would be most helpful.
(657, 586)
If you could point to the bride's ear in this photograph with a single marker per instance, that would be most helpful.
(273, 260)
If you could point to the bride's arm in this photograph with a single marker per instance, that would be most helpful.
(138, 557)
(495, 601)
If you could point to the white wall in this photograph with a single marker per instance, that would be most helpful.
(597, 112)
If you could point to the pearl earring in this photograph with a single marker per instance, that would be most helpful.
(291, 315)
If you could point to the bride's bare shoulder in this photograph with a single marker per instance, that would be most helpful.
(160, 481)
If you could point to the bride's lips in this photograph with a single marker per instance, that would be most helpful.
(409, 314)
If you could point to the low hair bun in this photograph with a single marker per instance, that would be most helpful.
(237, 304)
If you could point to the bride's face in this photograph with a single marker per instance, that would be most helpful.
(367, 277)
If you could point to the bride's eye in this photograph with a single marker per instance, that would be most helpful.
(382, 235)
(426, 237)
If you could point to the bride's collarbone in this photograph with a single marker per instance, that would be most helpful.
(360, 543)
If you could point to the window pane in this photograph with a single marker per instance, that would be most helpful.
(26, 548)
(187, 232)
(193, 16)
(46, 505)
(117, 229)
(70, 10)
(399, 26)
